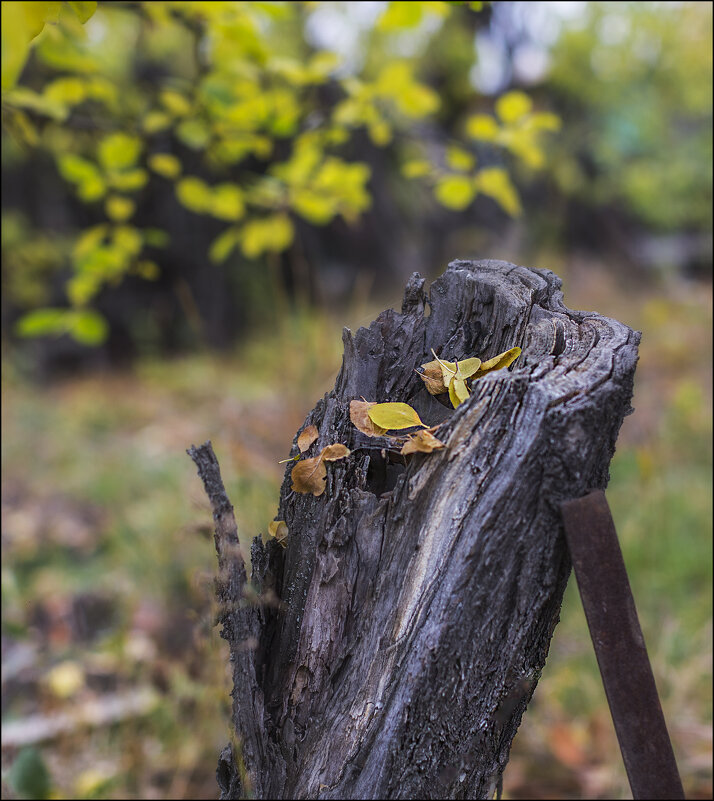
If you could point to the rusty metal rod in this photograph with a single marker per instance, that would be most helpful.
(620, 648)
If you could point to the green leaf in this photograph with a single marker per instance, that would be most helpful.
(194, 133)
(119, 151)
(88, 327)
(76, 169)
(28, 775)
(21, 23)
(455, 191)
(394, 416)
(416, 168)
(175, 102)
(42, 322)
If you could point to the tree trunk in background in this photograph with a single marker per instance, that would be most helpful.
(417, 601)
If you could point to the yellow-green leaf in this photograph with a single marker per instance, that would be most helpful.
(223, 244)
(165, 164)
(119, 151)
(227, 202)
(129, 180)
(175, 102)
(459, 159)
(194, 194)
(394, 416)
(83, 10)
(119, 208)
(458, 391)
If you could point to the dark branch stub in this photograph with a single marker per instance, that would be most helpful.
(417, 597)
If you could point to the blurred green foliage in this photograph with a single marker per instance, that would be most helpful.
(633, 82)
(253, 125)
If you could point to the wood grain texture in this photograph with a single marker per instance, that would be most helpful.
(418, 596)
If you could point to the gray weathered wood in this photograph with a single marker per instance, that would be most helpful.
(417, 599)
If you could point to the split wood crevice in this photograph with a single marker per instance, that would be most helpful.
(390, 651)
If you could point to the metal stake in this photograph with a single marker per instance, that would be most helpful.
(620, 648)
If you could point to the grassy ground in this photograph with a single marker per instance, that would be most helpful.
(108, 557)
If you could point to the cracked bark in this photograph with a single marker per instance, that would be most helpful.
(418, 597)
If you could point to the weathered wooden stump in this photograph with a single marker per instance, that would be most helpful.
(390, 651)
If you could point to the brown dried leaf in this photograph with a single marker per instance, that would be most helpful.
(309, 475)
(307, 437)
(359, 415)
(279, 530)
(332, 453)
(433, 378)
(421, 442)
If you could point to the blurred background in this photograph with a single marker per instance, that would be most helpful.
(196, 198)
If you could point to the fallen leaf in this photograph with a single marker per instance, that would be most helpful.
(279, 530)
(421, 442)
(499, 362)
(309, 475)
(394, 416)
(437, 375)
(360, 419)
(332, 453)
(458, 391)
(307, 437)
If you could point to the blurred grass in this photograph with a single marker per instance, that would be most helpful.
(101, 505)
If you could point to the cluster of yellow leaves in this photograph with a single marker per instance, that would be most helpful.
(516, 127)
(441, 376)
(377, 419)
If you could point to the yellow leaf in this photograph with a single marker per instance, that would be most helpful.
(467, 367)
(458, 391)
(279, 530)
(513, 105)
(331, 453)
(360, 419)
(309, 475)
(394, 416)
(65, 679)
(455, 191)
(483, 127)
(227, 202)
(194, 194)
(307, 437)
(494, 182)
(416, 168)
(165, 164)
(499, 362)
(421, 442)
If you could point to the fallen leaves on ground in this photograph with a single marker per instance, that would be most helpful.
(421, 442)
